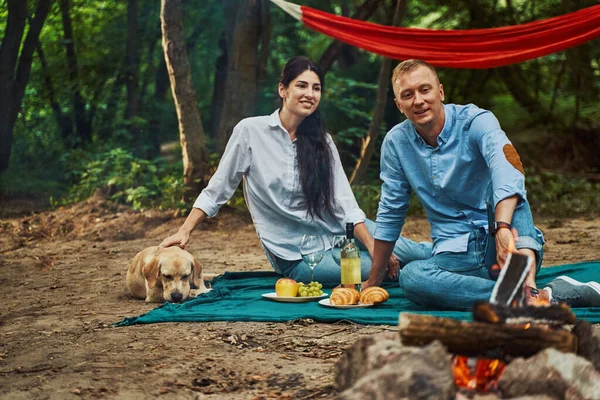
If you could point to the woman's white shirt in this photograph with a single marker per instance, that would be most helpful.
(261, 153)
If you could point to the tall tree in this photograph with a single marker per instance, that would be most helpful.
(245, 63)
(364, 12)
(368, 143)
(63, 120)
(132, 60)
(15, 66)
(191, 134)
(83, 125)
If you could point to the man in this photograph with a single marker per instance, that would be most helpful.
(471, 183)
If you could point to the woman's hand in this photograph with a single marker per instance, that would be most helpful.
(180, 238)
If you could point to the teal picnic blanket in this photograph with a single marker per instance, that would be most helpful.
(237, 296)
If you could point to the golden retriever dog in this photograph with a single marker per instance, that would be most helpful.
(171, 275)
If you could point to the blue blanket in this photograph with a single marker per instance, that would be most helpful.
(236, 296)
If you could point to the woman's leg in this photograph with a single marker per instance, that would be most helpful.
(405, 249)
(327, 271)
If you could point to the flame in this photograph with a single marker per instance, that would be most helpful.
(477, 374)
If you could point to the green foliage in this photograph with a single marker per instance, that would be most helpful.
(552, 194)
(130, 180)
(368, 196)
(42, 159)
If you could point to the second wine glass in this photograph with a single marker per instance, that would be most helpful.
(337, 243)
(312, 250)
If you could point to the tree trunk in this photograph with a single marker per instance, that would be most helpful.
(364, 12)
(517, 84)
(13, 77)
(82, 125)
(132, 62)
(243, 62)
(218, 98)
(64, 122)
(368, 143)
(191, 134)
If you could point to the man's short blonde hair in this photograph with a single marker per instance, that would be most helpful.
(409, 66)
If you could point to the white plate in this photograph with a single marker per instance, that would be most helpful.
(288, 299)
(325, 302)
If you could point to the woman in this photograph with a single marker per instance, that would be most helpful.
(294, 183)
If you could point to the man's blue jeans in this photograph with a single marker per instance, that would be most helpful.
(457, 280)
(327, 271)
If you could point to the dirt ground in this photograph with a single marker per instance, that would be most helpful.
(62, 287)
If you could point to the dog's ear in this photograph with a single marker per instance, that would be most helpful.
(151, 272)
(196, 274)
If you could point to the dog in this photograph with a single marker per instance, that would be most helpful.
(171, 274)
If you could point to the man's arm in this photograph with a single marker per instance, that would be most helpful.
(505, 238)
(362, 233)
(390, 263)
(381, 254)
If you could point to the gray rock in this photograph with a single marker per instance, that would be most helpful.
(551, 373)
(588, 336)
(407, 373)
(366, 354)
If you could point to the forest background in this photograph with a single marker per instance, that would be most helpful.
(86, 101)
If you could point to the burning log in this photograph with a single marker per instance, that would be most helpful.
(483, 339)
(553, 314)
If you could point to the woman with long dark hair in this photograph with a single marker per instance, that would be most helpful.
(294, 183)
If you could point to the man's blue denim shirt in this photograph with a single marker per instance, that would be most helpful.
(451, 180)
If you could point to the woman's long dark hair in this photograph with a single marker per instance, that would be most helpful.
(315, 160)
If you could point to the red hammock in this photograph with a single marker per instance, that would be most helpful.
(473, 48)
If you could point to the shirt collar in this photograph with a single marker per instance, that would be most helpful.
(446, 130)
(444, 134)
(274, 120)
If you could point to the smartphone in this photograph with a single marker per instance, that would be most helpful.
(511, 278)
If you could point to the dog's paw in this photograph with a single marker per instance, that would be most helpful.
(197, 292)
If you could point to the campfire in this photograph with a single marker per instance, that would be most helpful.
(516, 322)
(504, 352)
(497, 335)
(519, 346)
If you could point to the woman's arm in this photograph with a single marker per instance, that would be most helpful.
(182, 237)
(362, 233)
(233, 165)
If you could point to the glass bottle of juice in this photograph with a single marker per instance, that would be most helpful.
(350, 260)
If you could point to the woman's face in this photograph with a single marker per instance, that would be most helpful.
(302, 95)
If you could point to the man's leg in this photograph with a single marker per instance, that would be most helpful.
(450, 280)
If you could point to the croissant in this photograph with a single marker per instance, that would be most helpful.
(344, 296)
(373, 295)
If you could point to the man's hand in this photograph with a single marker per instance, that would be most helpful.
(383, 261)
(181, 238)
(505, 243)
(368, 283)
(393, 267)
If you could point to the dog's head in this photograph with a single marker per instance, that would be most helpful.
(176, 271)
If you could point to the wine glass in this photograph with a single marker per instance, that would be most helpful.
(337, 243)
(312, 250)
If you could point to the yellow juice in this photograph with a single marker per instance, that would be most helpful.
(350, 271)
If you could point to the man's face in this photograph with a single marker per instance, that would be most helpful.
(419, 96)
